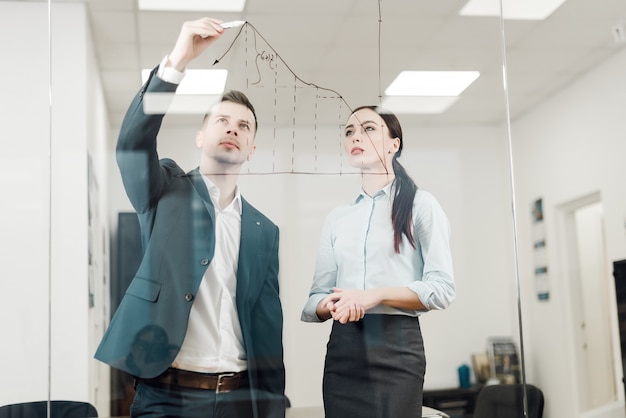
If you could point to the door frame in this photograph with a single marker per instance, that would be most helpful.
(568, 250)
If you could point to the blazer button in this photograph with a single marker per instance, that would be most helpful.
(204, 261)
(188, 297)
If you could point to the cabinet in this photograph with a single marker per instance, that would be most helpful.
(456, 402)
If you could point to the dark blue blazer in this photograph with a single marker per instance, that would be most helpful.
(177, 226)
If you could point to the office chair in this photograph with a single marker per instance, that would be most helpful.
(58, 409)
(506, 401)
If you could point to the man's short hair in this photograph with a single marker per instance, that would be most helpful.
(240, 98)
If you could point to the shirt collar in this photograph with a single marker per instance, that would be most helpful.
(214, 194)
(385, 191)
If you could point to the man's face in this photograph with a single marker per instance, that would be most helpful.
(227, 135)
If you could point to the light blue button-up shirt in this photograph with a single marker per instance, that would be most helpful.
(356, 252)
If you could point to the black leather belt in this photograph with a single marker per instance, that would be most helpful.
(219, 382)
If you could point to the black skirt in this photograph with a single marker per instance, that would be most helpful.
(375, 368)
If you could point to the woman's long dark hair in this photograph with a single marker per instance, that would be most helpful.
(403, 185)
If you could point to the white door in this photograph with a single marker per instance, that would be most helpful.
(589, 279)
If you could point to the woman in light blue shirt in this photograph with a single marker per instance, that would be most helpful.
(384, 259)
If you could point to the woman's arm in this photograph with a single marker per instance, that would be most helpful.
(345, 305)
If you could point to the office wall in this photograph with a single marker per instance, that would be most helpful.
(24, 170)
(54, 183)
(571, 146)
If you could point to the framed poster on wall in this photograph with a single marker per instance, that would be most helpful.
(540, 260)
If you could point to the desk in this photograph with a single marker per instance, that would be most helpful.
(318, 412)
(313, 412)
(456, 402)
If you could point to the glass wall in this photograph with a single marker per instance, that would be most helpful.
(69, 234)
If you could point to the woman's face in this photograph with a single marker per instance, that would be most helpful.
(367, 142)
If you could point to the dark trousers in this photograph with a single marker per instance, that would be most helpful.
(153, 400)
(375, 368)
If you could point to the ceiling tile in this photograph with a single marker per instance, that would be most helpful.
(334, 44)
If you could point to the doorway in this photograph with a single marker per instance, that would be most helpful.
(588, 277)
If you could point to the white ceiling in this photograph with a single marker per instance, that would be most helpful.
(335, 44)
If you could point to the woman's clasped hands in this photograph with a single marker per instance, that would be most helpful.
(349, 305)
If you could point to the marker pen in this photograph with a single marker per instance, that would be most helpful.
(233, 24)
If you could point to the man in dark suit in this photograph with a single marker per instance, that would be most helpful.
(200, 325)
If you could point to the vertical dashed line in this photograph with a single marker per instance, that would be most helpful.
(315, 132)
(340, 138)
(293, 129)
(275, 113)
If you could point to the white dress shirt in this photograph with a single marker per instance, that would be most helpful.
(356, 252)
(214, 341)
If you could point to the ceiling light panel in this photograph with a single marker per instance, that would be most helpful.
(198, 81)
(431, 83)
(192, 5)
(418, 104)
(512, 9)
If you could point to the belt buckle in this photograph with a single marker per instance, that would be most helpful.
(220, 382)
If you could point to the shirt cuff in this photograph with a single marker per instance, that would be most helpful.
(169, 74)
(309, 313)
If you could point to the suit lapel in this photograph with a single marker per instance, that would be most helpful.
(203, 224)
(201, 189)
(249, 287)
